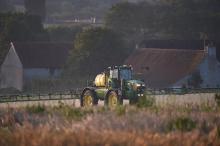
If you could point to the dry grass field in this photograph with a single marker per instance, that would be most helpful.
(146, 124)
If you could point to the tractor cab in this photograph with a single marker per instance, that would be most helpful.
(119, 74)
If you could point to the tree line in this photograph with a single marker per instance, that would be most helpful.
(166, 19)
(32, 7)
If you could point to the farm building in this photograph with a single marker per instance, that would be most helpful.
(174, 68)
(161, 64)
(34, 60)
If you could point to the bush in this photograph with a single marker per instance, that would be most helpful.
(217, 99)
(146, 101)
(206, 107)
(218, 131)
(72, 113)
(120, 110)
(182, 124)
(36, 109)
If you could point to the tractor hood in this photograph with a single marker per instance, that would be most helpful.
(135, 83)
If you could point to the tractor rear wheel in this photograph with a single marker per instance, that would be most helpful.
(112, 99)
(88, 98)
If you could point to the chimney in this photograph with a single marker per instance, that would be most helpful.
(211, 50)
(136, 46)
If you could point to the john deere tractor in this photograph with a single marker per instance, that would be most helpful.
(112, 86)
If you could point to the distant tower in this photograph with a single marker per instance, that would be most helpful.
(36, 7)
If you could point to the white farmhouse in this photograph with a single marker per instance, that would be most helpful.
(12, 70)
(33, 60)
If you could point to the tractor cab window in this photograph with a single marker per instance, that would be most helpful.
(114, 74)
(125, 74)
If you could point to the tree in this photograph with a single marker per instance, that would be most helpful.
(189, 19)
(4, 47)
(94, 50)
(19, 27)
(58, 33)
(81, 9)
(5, 6)
(166, 19)
(133, 20)
(36, 7)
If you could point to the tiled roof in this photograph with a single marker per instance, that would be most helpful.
(161, 68)
(43, 54)
(174, 44)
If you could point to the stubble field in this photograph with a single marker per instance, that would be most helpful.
(144, 124)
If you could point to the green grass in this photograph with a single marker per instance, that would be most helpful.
(218, 131)
(120, 110)
(182, 124)
(70, 112)
(217, 99)
(146, 101)
(36, 109)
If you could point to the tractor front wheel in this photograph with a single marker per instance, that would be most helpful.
(112, 99)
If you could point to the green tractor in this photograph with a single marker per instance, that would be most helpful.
(112, 86)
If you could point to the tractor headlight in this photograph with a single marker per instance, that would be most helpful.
(139, 85)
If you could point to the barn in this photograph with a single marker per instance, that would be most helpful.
(174, 68)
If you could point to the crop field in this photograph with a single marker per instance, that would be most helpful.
(149, 123)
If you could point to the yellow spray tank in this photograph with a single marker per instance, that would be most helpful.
(100, 80)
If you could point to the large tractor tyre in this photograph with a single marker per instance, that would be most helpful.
(88, 98)
(112, 100)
